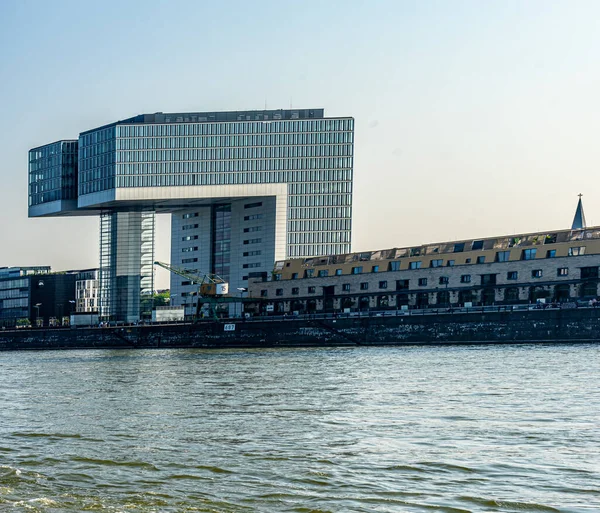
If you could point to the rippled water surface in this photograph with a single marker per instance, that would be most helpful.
(452, 429)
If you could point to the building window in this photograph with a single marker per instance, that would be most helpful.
(468, 261)
(184, 283)
(551, 253)
(323, 273)
(375, 269)
(356, 270)
(589, 272)
(577, 251)
(188, 249)
(450, 263)
(277, 277)
(436, 263)
(263, 293)
(477, 245)
(190, 237)
(346, 287)
(253, 241)
(364, 286)
(188, 260)
(422, 282)
(536, 273)
(383, 284)
(459, 248)
(188, 216)
(528, 254)
(294, 276)
(488, 279)
(279, 292)
(309, 273)
(253, 229)
(295, 291)
(253, 205)
(251, 266)
(562, 271)
(244, 278)
(502, 256)
(394, 266)
(444, 280)
(512, 275)
(189, 227)
(401, 284)
(414, 265)
(253, 217)
(338, 272)
(311, 290)
(252, 253)
(481, 259)
(465, 278)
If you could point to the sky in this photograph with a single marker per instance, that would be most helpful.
(473, 119)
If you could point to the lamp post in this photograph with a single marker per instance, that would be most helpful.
(37, 315)
(241, 290)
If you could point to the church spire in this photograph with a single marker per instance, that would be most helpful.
(579, 219)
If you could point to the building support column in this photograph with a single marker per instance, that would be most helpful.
(126, 265)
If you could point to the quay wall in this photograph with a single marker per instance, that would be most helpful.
(545, 326)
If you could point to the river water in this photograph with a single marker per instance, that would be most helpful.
(450, 429)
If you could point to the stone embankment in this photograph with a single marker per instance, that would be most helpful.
(537, 326)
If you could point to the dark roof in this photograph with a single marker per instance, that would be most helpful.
(204, 117)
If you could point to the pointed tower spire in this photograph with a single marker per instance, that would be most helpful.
(579, 219)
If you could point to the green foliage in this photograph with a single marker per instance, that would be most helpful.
(162, 299)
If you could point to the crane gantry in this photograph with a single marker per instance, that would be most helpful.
(211, 287)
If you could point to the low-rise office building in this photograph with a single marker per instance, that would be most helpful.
(36, 295)
(561, 266)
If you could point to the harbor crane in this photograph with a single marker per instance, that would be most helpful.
(211, 287)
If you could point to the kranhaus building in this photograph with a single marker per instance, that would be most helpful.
(244, 189)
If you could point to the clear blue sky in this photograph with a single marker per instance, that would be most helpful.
(472, 118)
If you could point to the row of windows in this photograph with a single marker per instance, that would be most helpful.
(14, 303)
(465, 278)
(189, 237)
(319, 225)
(305, 250)
(189, 168)
(253, 217)
(422, 282)
(320, 187)
(252, 253)
(189, 249)
(14, 284)
(320, 213)
(321, 200)
(252, 266)
(289, 140)
(49, 151)
(502, 256)
(181, 163)
(318, 237)
(232, 127)
(14, 293)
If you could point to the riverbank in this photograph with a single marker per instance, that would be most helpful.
(535, 326)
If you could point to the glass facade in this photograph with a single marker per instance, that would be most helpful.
(126, 265)
(53, 172)
(313, 156)
(221, 240)
(295, 167)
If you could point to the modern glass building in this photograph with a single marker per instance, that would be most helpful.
(244, 189)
